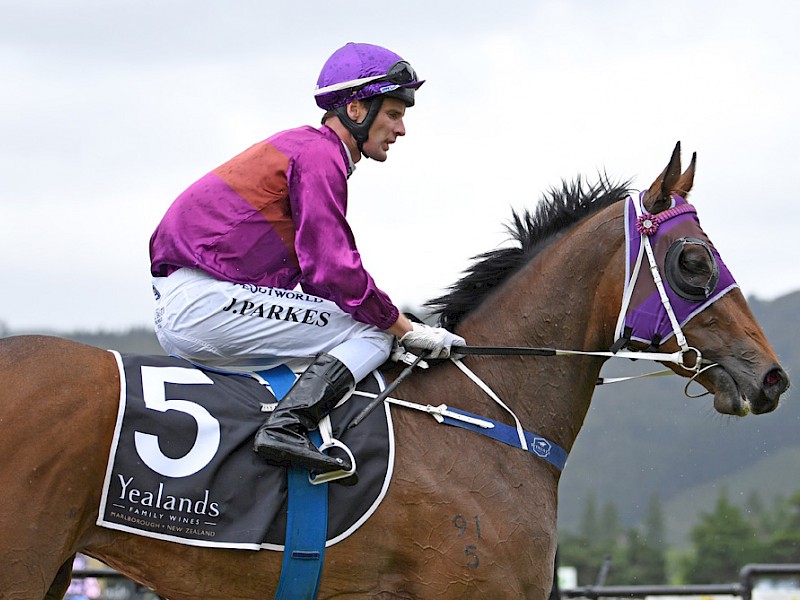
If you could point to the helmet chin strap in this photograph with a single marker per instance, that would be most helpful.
(360, 131)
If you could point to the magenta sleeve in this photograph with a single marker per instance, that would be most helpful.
(326, 248)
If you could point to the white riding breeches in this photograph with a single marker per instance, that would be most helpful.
(248, 328)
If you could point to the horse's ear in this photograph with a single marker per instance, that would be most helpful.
(684, 185)
(657, 197)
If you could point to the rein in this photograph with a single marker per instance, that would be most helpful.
(641, 226)
(677, 358)
(698, 366)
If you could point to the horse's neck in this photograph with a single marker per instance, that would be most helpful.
(566, 298)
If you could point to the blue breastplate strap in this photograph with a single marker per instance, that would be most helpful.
(306, 517)
(536, 444)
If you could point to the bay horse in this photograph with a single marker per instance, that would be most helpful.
(464, 516)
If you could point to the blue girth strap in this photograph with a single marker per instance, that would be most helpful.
(536, 444)
(306, 518)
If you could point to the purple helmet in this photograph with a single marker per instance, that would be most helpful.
(358, 71)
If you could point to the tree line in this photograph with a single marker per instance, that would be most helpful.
(722, 541)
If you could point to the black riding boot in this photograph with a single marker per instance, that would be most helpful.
(283, 438)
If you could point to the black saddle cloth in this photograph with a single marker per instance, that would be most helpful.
(182, 467)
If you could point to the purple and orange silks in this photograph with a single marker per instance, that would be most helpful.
(275, 216)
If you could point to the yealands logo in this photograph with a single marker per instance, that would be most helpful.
(158, 499)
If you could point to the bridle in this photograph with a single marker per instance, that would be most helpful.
(643, 230)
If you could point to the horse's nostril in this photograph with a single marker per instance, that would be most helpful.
(776, 380)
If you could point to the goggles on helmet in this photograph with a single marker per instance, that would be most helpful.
(400, 73)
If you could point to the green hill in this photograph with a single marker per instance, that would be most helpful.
(773, 476)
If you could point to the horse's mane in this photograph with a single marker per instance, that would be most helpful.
(558, 210)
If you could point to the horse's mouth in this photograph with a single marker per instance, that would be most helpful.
(731, 399)
(727, 399)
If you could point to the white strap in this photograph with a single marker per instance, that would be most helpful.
(493, 396)
(630, 282)
(673, 357)
(679, 337)
(438, 412)
(662, 292)
(607, 380)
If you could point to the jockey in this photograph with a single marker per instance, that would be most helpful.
(230, 253)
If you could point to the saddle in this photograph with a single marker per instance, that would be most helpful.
(181, 465)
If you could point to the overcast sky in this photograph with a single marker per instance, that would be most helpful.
(109, 109)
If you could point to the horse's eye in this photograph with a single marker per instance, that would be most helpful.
(691, 269)
(697, 264)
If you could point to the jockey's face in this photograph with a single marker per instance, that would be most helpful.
(386, 128)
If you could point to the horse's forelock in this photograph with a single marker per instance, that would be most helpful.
(530, 232)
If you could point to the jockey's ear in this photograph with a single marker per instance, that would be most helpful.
(657, 198)
(357, 111)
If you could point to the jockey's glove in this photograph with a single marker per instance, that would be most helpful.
(437, 341)
(400, 354)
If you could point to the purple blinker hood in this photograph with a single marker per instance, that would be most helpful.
(645, 316)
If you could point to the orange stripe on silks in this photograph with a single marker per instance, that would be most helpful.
(258, 176)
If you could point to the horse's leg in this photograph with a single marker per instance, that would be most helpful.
(58, 588)
(58, 402)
